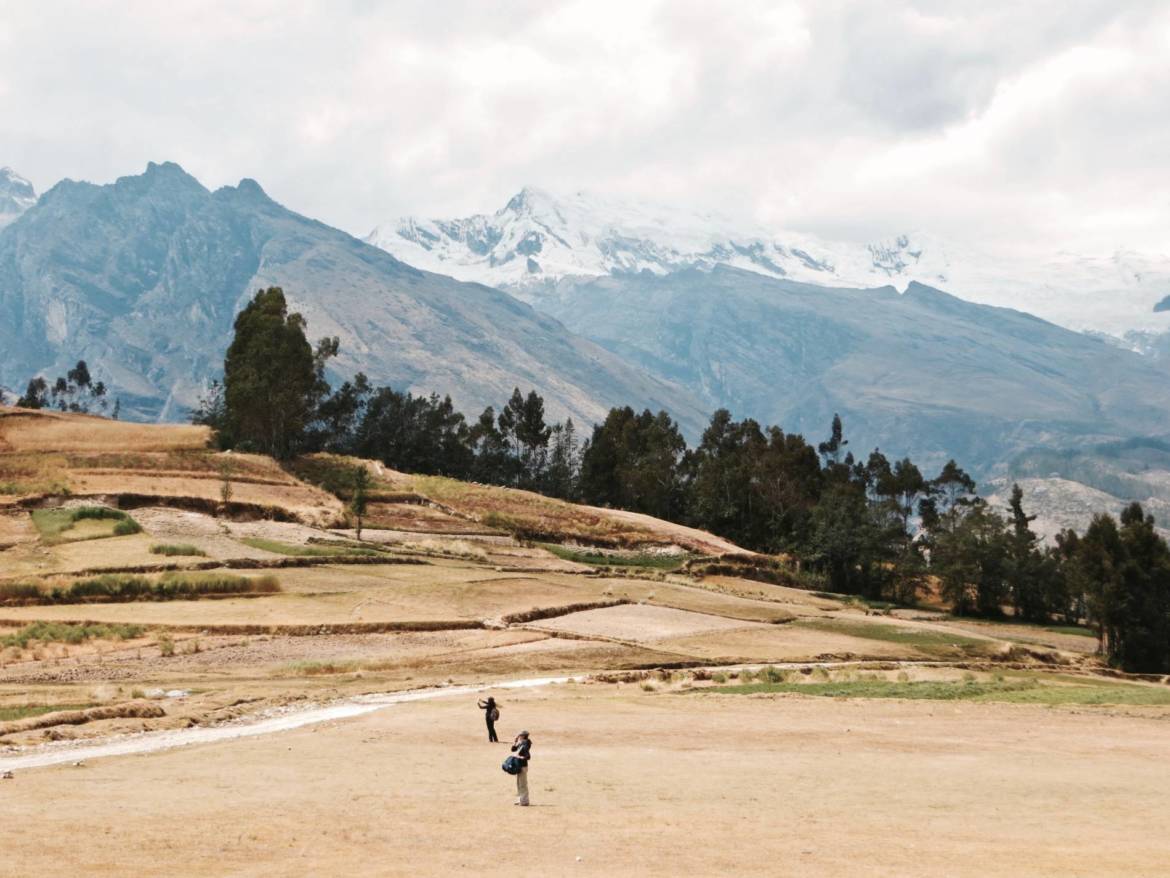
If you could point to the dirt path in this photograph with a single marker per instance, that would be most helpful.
(278, 721)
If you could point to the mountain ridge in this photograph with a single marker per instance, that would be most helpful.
(103, 272)
(538, 238)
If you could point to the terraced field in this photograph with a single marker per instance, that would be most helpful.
(139, 597)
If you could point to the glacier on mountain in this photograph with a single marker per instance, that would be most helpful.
(538, 238)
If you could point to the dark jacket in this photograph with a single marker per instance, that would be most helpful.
(523, 750)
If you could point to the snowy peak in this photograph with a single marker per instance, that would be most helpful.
(16, 195)
(538, 237)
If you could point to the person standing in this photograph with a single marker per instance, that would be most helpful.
(491, 713)
(522, 747)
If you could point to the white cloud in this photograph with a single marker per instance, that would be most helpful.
(1041, 122)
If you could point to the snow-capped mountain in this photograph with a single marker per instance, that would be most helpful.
(538, 237)
(16, 195)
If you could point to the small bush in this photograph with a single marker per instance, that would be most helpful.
(719, 677)
(166, 645)
(171, 549)
(771, 674)
(127, 526)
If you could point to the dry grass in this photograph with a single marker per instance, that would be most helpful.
(45, 453)
(45, 431)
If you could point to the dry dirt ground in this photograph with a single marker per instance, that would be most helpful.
(625, 783)
(628, 780)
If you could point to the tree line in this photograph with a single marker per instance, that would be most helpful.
(874, 527)
(75, 391)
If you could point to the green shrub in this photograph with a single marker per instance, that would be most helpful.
(20, 593)
(171, 549)
(127, 526)
(60, 632)
(81, 513)
(166, 644)
(122, 588)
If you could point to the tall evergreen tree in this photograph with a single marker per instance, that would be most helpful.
(272, 379)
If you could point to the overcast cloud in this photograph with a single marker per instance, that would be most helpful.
(1042, 123)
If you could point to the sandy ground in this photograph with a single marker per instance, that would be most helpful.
(781, 643)
(625, 783)
(639, 622)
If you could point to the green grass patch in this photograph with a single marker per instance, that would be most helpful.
(24, 711)
(54, 525)
(123, 588)
(921, 638)
(173, 549)
(299, 551)
(654, 561)
(59, 632)
(1033, 691)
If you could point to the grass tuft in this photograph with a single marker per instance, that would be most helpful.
(59, 632)
(125, 588)
(1028, 691)
(172, 549)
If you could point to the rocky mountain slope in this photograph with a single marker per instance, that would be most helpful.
(919, 372)
(16, 195)
(538, 237)
(143, 277)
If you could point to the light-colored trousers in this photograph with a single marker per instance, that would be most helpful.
(522, 786)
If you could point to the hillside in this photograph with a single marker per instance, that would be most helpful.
(920, 373)
(142, 613)
(124, 536)
(143, 277)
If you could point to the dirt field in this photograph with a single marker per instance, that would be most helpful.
(810, 767)
(626, 783)
(639, 622)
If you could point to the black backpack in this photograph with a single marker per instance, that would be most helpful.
(513, 765)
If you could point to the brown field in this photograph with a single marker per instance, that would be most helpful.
(637, 771)
(626, 783)
(639, 622)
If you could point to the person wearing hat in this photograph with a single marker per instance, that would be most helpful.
(522, 747)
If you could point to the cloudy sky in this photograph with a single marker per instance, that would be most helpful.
(1042, 122)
